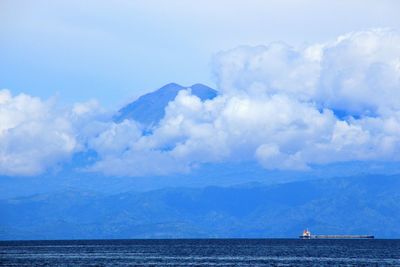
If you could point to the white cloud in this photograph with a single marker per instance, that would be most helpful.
(360, 73)
(278, 105)
(86, 108)
(268, 69)
(32, 137)
(116, 138)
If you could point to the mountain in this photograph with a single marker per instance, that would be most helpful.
(149, 109)
(358, 205)
(206, 202)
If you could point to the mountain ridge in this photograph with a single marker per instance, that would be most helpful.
(358, 205)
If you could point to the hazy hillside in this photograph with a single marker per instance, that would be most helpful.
(368, 205)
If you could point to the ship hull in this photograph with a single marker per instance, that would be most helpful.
(338, 237)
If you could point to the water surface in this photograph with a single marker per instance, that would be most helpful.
(201, 252)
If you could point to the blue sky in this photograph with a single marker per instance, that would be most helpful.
(302, 83)
(115, 51)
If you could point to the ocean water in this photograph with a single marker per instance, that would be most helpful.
(201, 252)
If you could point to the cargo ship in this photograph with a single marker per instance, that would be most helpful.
(307, 235)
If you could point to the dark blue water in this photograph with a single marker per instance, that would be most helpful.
(205, 252)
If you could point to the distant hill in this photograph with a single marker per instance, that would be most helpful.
(149, 109)
(359, 205)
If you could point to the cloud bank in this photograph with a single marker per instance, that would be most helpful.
(33, 135)
(284, 107)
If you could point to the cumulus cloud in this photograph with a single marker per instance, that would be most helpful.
(358, 73)
(32, 136)
(284, 107)
(38, 135)
(276, 68)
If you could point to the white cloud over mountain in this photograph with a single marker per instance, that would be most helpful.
(285, 107)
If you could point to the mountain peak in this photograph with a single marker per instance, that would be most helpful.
(199, 85)
(171, 86)
(149, 109)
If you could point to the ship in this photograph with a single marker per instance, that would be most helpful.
(307, 235)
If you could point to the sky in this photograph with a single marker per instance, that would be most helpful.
(301, 83)
(115, 51)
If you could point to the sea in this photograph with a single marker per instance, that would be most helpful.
(201, 252)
